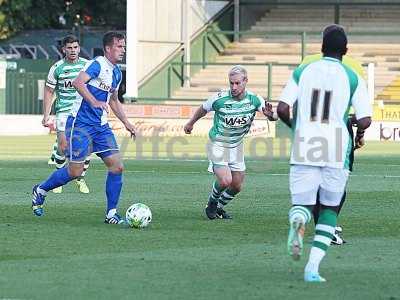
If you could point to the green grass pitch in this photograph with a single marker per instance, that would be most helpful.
(70, 254)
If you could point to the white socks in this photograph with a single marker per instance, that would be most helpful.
(316, 256)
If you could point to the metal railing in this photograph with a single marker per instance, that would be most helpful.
(209, 32)
(210, 38)
(268, 65)
(303, 35)
(207, 40)
(35, 51)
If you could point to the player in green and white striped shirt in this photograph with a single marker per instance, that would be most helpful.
(59, 82)
(234, 113)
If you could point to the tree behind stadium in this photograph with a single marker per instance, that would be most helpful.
(18, 15)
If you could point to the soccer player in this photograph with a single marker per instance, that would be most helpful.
(234, 112)
(356, 66)
(323, 92)
(59, 81)
(87, 129)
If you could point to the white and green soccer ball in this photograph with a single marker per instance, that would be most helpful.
(138, 215)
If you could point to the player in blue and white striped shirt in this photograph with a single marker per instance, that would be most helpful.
(87, 130)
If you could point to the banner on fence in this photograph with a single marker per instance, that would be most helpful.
(174, 127)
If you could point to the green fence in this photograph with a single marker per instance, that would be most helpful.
(302, 35)
(22, 94)
(3, 72)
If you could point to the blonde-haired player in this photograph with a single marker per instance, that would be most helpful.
(234, 113)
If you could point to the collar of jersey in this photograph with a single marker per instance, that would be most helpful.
(331, 58)
(109, 62)
(71, 63)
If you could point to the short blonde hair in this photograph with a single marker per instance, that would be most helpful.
(238, 69)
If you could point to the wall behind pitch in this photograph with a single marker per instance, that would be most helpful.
(157, 85)
(160, 29)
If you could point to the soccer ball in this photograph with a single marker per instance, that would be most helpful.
(138, 215)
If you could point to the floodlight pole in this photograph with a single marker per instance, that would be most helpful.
(186, 29)
(131, 50)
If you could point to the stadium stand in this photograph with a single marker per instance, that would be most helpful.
(283, 46)
(391, 92)
(360, 19)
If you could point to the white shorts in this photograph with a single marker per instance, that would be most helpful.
(226, 157)
(305, 181)
(61, 120)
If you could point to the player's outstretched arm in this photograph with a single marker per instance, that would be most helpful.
(47, 103)
(199, 113)
(80, 85)
(283, 111)
(118, 110)
(268, 111)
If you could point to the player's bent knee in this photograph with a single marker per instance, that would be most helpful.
(62, 145)
(225, 182)
(75, 171)
(120, 169)
(117, 169)
(237, 187)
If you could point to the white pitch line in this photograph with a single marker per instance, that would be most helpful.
(205, 172)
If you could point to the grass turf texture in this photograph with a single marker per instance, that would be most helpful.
(70, 254)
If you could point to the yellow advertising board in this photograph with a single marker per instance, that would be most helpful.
(390, 113)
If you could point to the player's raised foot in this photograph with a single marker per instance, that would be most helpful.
(313, 277)
(295, 238)
(37, 201)
(57, 190)
(222, 214)
(115, 219)
(82, 186)
(211, 209)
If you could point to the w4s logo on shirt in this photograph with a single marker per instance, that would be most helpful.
(237, 121)
(68, 84)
